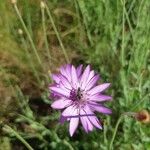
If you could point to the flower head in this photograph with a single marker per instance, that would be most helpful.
(78, 96)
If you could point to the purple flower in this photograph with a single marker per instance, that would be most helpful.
(79, 96)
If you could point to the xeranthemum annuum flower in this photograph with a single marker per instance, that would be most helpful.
(78, 95)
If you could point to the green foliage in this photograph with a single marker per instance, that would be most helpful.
(112, 36)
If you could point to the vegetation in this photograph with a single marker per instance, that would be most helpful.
(37, 37)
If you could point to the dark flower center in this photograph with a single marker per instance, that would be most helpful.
(76, 95)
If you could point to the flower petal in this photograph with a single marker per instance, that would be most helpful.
(99, 98)
(91, 117)
(63, 119)
(61, 103)
(84, 124)
(71, 111)
(79, 71)
(73, 125)
(65, 82)
(94, 120)
(91, 75)
(92, 82)
(74, 77)
(84, 77)
(63, 71)
(99, 88)
(60, 91)
(56, 78)
(87, 125)
(68, 71)
(84, 113)
(99, 108)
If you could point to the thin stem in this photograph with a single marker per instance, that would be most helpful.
(115, 131)
(45, 38)
(10, 130)
(57, 33)
(45, 35)
(51, 133)
(82, 8)
(27, 32)
(123, 32)
(68, 144)
(139, 102)
(129, 23)
(105, 131)
(123, 77)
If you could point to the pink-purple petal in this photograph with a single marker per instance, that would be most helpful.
(56, 78)
(94, 120)
(99, 108)
(99, 88)
(84, 77)
(60, 91)
(65, 82)
(63, 87)
(91, 75)
(71, 112)
(74, 77)
(87, 125)
(61, 103)
(92, 82)
(84, 113)
(79, 70)
(68, 71)
(68, 68)
(73, 125)
(63, 119)
(84, 124)
(99, 98)
(63, 71)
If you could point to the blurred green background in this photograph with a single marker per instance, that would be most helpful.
(37, 37)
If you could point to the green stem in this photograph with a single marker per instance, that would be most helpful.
(129, 23)
(44, 30)
(139, 102)
(9, 129)
(105, 132)
(46, 41)
(115, 131)
(51, 133)
(82, 8)
(68, 144)
(123, 32)
(27, 32)
(57, 34)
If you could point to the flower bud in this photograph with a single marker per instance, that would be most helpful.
(13, 1)
(20, 31)
(42, 5)
(143, 116)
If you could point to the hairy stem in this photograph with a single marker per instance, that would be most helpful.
(57, 34)
(115, 131)
(10, 130)
(27, 32)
